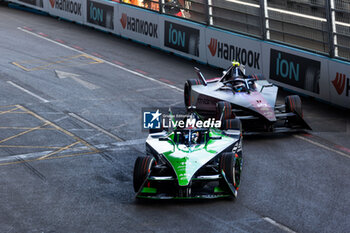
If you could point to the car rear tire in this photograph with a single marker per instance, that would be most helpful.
(234, 124)
(143, 166)
(224, 109)
(187, 90)
(293, 104)
(230, 163)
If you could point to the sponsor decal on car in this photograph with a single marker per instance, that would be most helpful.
(341, 83)
(181, 38)
(139, 26)
(100, 14)
(69, 6)
(231, 52)
(295, 70)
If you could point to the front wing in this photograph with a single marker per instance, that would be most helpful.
(167, 188)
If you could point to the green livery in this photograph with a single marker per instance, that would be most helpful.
(185, 163)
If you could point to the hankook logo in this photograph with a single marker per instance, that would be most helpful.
(232, 52)
(139, 26)
(213, 45)
(52, 2)
(340, 82)
(67, 5)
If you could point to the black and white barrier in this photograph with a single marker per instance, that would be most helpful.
(301, 71)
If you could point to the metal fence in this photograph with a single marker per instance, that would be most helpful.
(322, 26)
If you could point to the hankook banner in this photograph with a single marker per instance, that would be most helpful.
(139, 25)
(224, 47)
(339, 82)
(68, 9)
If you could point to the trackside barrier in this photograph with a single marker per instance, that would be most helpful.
(304, 72)
(40, 5)
(140, 25)
(72, 10)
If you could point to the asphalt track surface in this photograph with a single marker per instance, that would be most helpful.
(68, 145)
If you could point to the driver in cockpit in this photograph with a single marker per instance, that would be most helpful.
(240, 87)
(191, 137)
(236, 71)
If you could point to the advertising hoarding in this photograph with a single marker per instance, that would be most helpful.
(296, 70)
(224, 47)
(101, 14)
(35, 4)
(183, 38)
(139, 25)
(339, 83)
(73, 10)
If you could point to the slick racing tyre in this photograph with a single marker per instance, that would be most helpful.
(224, 110)
(143, 166)
(293, 104)
(230, 163)
(188, 88)
(234, 124)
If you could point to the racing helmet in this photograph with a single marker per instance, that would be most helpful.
(239, 87)
(236, 71)
(195, 137)
(190, 137)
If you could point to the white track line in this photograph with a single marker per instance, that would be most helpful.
(28, 92)
(105, 61)
(280, 226)
(95, 126)
(322, 146)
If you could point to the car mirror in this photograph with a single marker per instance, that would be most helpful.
(163, 139)
(215, 137)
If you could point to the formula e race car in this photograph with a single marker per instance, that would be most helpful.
(249, 98)
(191, 162)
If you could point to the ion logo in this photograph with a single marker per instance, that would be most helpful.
(100, 14)
(66, 5)
(181, 38)
(339, 84)
(231, 52)
(152, 120)
(295, 70)
(287, 69)
(96, 14)
(139, 26)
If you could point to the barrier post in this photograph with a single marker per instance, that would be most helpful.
(161, 6)
(209, 12)
(332, 33)
(264, 20)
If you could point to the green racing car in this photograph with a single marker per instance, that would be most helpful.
(191, 162)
